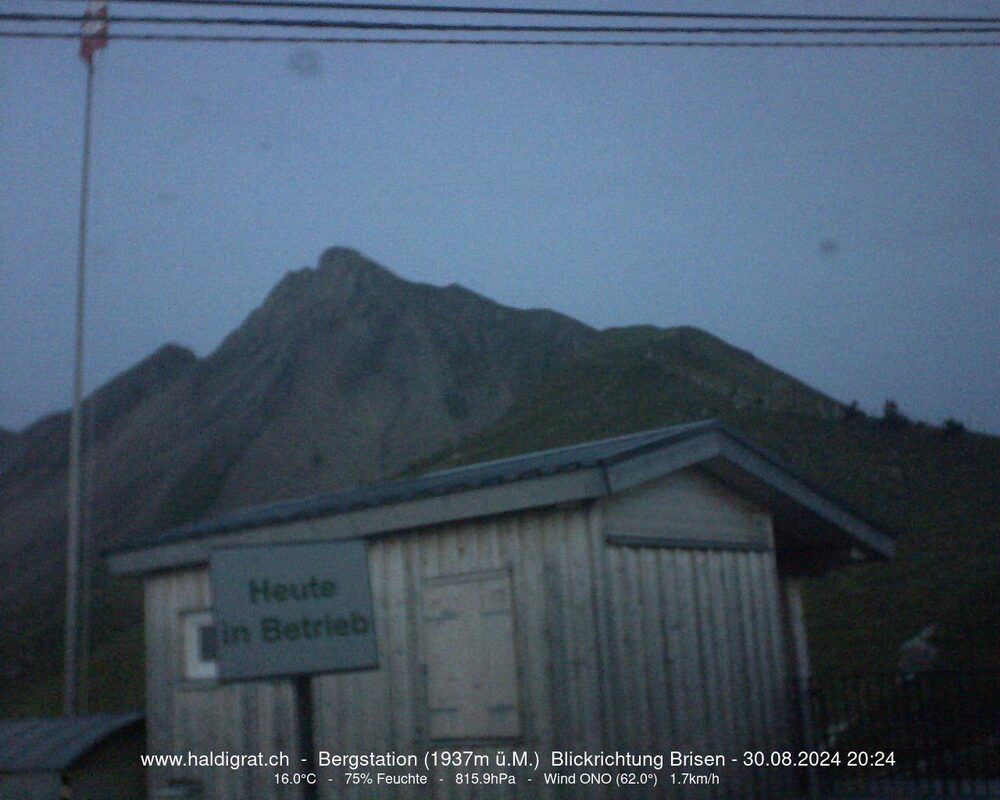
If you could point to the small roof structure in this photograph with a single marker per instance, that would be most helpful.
(806, 516)
(54, 744)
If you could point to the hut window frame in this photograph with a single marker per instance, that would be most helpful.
(197, 637)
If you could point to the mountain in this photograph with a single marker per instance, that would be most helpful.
(33, 507)
(41, 450)
(368, 372)
(348, 373)
(345, 374)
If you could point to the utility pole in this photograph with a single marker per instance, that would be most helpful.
(74, 659)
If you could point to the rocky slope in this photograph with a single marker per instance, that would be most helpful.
(346, 373)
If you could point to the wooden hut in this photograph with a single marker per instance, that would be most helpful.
(633, 595)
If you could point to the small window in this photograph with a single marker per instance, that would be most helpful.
(470, 657)
(200, 646)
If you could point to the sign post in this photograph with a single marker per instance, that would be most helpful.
(293, 610)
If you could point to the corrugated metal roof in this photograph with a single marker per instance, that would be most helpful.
(473, 476)
(55, 743)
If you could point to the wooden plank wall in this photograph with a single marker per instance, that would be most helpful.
(694, 643)
(694, 636)
(686, 506)
(555, 622)
(203, 717)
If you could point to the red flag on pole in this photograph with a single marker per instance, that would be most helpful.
(95, 29)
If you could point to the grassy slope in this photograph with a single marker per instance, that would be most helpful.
(942, 493)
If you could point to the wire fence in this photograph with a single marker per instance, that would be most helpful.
(925, 735)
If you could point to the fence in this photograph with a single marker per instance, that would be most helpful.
(941, 728)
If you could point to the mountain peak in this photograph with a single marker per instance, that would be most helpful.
(338, 257)
(340, 273)
(347, 265)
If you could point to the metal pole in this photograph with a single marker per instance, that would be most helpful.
(74, 550)
(304, 722)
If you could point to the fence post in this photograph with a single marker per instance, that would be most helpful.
(802, 677)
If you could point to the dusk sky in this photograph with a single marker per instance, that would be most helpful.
(836, 212)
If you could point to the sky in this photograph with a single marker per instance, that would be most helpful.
(835, 212)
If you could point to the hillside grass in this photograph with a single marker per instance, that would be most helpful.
(941, 493)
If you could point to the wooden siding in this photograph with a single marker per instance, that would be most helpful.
(695, 644)
(686, 509)
(202, 716)
(645, 649)
(694, 634)
(554, 628)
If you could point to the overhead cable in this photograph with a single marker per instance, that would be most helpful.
(265, 39)
(566, 12)
(369, 25)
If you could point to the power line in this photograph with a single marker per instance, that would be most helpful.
(265, 39)
(366, 25)
(566, 12)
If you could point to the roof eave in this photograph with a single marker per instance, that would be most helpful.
(712, 441)
(485, 501)
(766, 468)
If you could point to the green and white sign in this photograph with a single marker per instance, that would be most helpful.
(293, 609)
